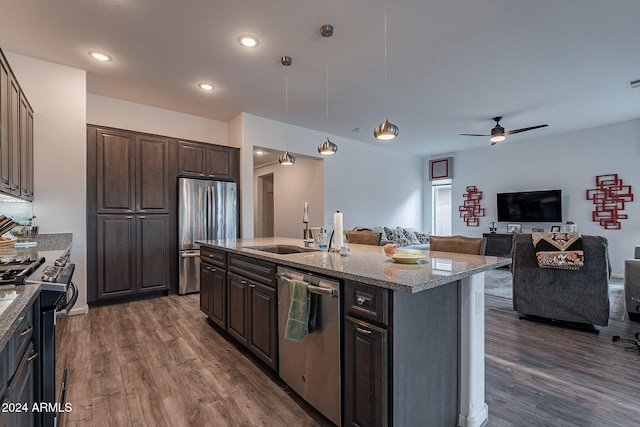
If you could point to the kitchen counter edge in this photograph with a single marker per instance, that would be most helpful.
(287, 260)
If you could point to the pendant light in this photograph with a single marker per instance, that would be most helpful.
(286, 159)
(385, 131)
(327, 148)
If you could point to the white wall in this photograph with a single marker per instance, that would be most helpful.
(58, 97)
(569, 162)
(293, 186)
(105, 111)
(370, 185)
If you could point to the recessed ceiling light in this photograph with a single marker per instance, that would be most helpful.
(258, 152)
(248, 41)
(100, 56)
(206, 86)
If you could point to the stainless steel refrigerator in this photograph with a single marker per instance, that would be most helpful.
(207, 210)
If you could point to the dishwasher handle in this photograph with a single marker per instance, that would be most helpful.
(319, 290)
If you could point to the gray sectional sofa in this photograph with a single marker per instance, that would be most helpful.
(403, 237)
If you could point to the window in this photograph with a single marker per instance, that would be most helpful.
(441, 208)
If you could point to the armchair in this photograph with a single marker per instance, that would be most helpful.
(580, 296)
(632, 286)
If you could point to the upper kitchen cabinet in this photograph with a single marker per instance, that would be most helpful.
(132, 171)
(197, 159)
(26, 149)
(16, 136)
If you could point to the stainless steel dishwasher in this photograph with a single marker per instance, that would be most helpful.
(312, 367)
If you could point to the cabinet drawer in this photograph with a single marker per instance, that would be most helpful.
(19, 342)
(367, 302)
(213, 256)
(260, 271)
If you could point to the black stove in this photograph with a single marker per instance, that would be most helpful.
(14, 270)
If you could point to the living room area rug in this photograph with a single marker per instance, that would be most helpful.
(497, 283)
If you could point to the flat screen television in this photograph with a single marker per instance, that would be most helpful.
(530, 206)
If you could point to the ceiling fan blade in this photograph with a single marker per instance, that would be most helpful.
(471, 134)
(511, 132)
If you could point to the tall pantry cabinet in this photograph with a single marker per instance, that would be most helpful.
(130, 209)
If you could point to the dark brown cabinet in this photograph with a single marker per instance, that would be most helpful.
(132, 172)
(153, 240)
(366, 355)
(246, 304)
(262, 338)
(253, 316)
(208, 161)
(130, 213)
(366, 371)
(4, 125)
(238, 303)
(26, 149)
(16, 136)
(213, 293)
(152, 174)
(119, 236)
(213, 285)
(116, 268)
(401, 356)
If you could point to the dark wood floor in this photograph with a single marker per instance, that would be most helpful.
(159, 363)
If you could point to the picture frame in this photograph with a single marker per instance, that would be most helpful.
(555, 228)
(537, 230)
(514, 228)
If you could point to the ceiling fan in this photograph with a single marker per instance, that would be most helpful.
(499, 134)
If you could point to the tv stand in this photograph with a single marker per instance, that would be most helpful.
(498, 244)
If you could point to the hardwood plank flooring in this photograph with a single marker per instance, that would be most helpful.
(158, 362)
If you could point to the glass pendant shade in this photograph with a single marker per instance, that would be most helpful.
(386, 131)
(327, 148)
(497, 138)
(287, 159)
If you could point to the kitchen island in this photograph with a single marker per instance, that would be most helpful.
(413, 334)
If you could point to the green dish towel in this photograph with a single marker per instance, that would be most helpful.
(298, 318)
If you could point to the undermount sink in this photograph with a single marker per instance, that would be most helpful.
(281, 249)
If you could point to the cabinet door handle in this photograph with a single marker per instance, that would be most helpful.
(362, 300)
(251, 285)
(213, 270)
(26, 331)
(33, 356)
(244, 282)
(363, 331)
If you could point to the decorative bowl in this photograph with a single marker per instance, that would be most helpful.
(407, 257)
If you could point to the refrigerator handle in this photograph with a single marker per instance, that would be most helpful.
(210, 213)
(207, 213)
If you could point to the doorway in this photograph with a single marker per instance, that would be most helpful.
(441, 204)
(265, 206)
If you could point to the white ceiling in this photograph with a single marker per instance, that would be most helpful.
(452, 64)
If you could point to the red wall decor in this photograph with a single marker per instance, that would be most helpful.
(470, 211)
(609, 198)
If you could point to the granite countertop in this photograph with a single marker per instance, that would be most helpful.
(369, 264)
(15, 301)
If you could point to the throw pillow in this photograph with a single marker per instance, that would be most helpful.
(423, 238)
(409, 235)
(558, 250)
(398, 237)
